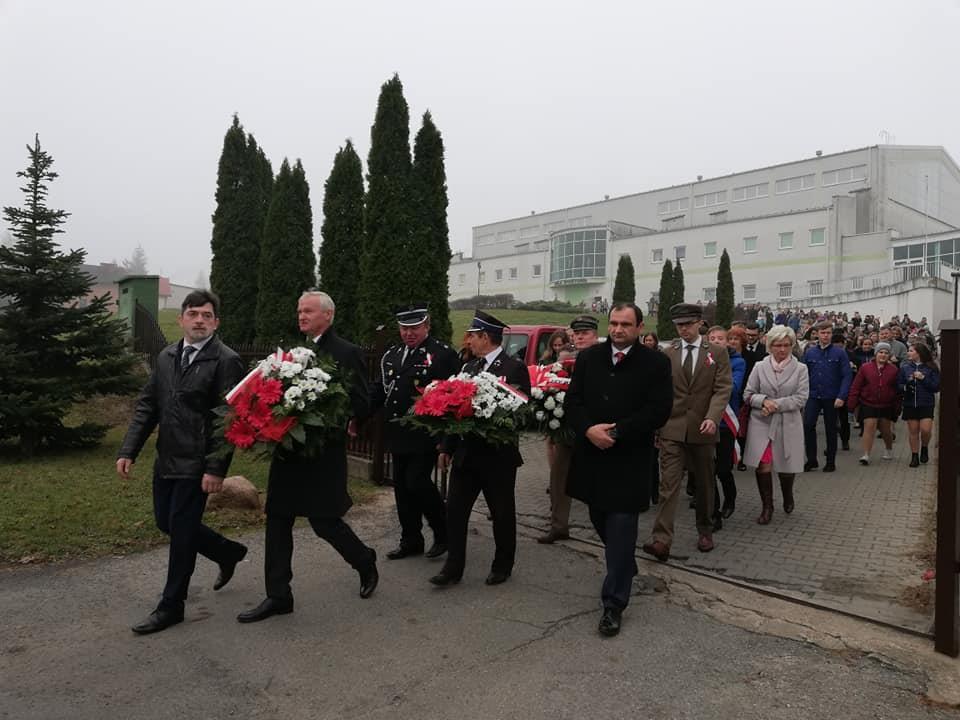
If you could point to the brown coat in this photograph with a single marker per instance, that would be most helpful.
(703, 398)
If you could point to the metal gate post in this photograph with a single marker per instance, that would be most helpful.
(947, 601)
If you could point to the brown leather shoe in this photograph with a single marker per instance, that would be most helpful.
(552, 536)
(705, 543)
(658, 549)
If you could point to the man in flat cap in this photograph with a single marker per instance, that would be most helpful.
(480, 466)
(584, 329)
(702, 384)
(405, 369)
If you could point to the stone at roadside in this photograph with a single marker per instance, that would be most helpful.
(238, 493)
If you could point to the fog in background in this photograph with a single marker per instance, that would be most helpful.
(541, 104)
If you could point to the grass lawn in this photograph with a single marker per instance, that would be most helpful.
(74, 505)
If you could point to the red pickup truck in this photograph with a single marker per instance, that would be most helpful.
(528, 342)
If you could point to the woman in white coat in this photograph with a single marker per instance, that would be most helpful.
(776, 392)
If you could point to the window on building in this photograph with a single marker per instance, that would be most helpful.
(483, 276)
(786, 241)
(485, 239)
(521, 248)
(794, 184)
(656, 255)
(680, 252)
(751, 192)
(786, 290)
(579, 221)
(673, 206)
(530, 232)
(672, 223)
(750, 244)
(507, 236)
(818, 237)
(710, 249)
(463, 279)
(710, 199)
(537, 270)
(749, 292)
(513, 273)
(710, 294)
(578, 255)
(498, 274)
(718, 217)
(858, 283)
(844, 175)
(816, 288)
(553, 226)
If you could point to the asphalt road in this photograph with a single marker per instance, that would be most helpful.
(526, 649)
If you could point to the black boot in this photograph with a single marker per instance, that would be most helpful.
(786, 487)
(914, 460)
(924, 455)
(765, 486)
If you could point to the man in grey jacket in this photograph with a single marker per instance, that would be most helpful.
(189, 380)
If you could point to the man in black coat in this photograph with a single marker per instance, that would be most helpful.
(189, 380)
(620, 393)
(405, 369)
(315, 487)
(479, 466)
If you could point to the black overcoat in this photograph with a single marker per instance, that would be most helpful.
(637, 395)
(399, 386)
(317, 486)
(471, 449)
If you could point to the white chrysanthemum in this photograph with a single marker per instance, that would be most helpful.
(292, 394)
(561, 396)
(549, 403)
(302, 355)
(554, 424)
(537, 393)
(290, 369)
(558, 412)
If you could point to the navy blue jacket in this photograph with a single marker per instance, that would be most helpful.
(829, 370)
(918, 393)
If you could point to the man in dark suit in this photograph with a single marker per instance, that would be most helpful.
(620, 393)
(405, 369)
(315, 487)
(479, 466)
(191, 378)
(754, 351)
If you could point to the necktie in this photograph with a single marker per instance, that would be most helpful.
(688, 363)
(403, 360)
(617, 357)
(188, 352)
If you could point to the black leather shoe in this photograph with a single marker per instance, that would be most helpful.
(496, 577)
(443, 578)
(227, 569)
(436, 550)
(728, 508)
(810, 465)
(158, 620)
(404, 551)
(268, 608)
(369, 579)
(610, 622)
(717, 522)
(742, 467)
(829, 467)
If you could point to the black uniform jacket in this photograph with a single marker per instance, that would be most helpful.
(470, 449)
(399, 386)
(181, 401)
(637, 395)
(317, 486)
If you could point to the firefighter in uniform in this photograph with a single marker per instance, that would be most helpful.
(404, 370)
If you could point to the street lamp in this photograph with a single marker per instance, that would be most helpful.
(956, 281)
(479, 265)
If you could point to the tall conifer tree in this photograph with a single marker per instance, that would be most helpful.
(724, 292)
(665, 327)
(388, 265)
(433, 238)
(678, 288)
(54, 350)
(343, 233)
(286, 260)
(624, 288)
(238, 223)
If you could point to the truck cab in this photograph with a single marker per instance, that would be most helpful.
(527, 343)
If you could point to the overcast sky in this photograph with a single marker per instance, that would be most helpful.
(541, 104)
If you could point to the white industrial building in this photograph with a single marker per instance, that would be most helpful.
(875, 229)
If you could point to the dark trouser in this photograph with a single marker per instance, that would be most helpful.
(655, 477)
(178, 505)
(811, 412)
(724, 468)
(559, 500)
(417, 498)
(618, 530)
(498, 485)
(843, 424)
(278, 554)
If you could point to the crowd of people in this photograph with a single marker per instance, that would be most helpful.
(644, 421)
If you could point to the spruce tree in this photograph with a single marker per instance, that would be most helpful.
(389, 271)
(286, 258)
(57, 346)
(665, 326)
(624, 288)
(342, 232)
(432, 243)
(725, 304)
(678, 289)
(238, 223)
(137, 263)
